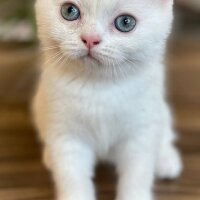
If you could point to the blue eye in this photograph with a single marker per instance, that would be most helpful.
(70, 12)
(125, 23)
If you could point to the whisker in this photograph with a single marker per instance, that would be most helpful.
(52, 58)
(49, 48)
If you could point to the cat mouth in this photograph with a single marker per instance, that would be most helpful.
(90, 57)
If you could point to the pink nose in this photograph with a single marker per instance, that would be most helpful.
(90, 40)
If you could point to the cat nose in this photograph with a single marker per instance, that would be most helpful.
(91, 40)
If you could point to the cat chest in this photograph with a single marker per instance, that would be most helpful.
(102, 113)
(104, 121)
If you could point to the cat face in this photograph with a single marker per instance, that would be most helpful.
(105, 32)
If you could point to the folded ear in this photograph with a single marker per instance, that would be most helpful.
(167, 1)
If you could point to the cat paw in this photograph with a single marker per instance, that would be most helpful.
(169, 164)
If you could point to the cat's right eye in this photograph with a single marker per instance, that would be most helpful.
(70, 12)
(125, 23)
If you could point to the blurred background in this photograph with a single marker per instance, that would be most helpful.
(22, 175)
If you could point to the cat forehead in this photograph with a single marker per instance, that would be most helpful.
(110, 4)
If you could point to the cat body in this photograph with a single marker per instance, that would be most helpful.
(101, 95)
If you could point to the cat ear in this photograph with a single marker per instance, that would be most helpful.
(166, 2)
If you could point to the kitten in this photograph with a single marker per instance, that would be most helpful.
(101, 95)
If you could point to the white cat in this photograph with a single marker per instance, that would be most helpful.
(102, 96)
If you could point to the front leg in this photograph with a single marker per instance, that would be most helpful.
(71, 162)
(169, 164)
(135, 160)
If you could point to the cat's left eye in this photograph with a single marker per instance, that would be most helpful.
(70, 12)
(125, 23)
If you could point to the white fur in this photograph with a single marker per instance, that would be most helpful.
(113, 109)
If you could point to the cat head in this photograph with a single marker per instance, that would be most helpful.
(105, 32)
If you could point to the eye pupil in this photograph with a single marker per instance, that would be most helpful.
(71, 9)
(127, 21)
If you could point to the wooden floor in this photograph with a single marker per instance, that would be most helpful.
(23, 176)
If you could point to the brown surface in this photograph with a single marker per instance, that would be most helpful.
(22, 175)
